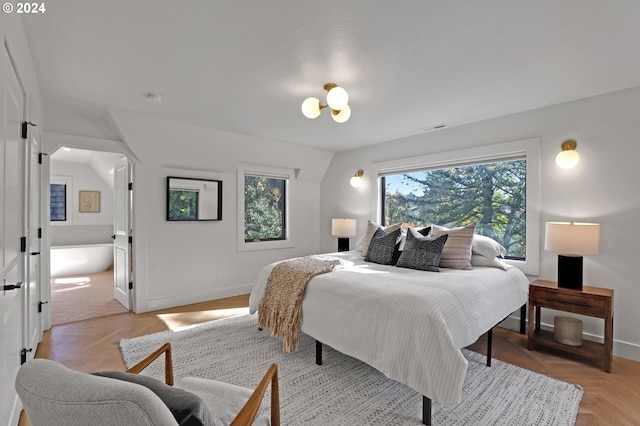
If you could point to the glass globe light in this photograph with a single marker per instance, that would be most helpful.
(311, 107)
(355, 181)
(342, 115)
(567, 159)
(337, 98)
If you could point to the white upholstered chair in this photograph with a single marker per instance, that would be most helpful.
(52, 395)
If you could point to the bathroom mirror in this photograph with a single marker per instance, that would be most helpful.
(192, 199)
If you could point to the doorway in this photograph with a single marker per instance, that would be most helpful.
(83, 215)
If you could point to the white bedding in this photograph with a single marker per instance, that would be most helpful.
(408, 324)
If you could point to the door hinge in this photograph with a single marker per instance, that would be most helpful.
(40, 306)
(130, 285)
(23, 355)
(41, 157)
(39, 232)
(130, 239)
(130, 186)
(23, 244)
(25, 128)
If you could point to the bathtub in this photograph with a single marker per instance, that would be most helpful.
(81, 259)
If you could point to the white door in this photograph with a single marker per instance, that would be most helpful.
(11, 226)
(33, 280)
(121, 247)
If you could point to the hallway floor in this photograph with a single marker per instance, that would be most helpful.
(80, 297)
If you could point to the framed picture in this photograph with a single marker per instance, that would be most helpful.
(89, 201)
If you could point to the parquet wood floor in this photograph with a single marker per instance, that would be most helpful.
(92, 345)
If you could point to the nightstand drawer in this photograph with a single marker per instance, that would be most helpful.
(570, 301)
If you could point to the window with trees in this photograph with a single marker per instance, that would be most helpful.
(264, 208)
(497, 186)
(493, 194)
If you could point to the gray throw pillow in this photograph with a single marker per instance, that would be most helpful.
(422, 253)
(383, 246)
(187, 408)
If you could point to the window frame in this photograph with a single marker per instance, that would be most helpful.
(68, 182)
(270, 172)
(527, 148)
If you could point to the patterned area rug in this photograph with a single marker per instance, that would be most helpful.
(347, 391)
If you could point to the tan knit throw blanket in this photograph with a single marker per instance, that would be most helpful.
(280, 310)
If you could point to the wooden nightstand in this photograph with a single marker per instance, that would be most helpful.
(592, 301)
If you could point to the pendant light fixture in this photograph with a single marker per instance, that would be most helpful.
(337, 102)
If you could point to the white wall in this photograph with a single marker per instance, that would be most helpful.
(184, 262)
(82, 227)
(603, 188)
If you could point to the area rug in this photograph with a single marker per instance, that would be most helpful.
(345, 391)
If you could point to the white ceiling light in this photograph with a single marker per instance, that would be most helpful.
(337, 101)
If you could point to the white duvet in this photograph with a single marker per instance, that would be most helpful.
(408, 324)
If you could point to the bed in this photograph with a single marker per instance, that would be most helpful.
(408, 324)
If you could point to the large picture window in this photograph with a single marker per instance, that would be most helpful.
(492, 194)
(497, 186)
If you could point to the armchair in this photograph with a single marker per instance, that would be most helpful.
(55, 395)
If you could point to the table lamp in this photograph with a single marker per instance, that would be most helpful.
(571, 240)
(343, 229)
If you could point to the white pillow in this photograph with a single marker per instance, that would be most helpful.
(360, 243)
(487, 247)
(496, 262)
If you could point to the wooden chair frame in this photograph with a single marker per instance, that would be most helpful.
(248, 413)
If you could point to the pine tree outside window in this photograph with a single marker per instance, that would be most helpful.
(492, 194)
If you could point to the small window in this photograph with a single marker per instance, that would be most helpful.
(58, 202)
(264, 197)
(264, 208)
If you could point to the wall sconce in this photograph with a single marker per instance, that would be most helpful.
(568, 158)
(337, 100)
(356, 180)
(343, 229)
(572, 239)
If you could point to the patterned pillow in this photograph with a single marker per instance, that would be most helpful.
(382, 247)
(403, 237)
(422, 253)
(457, 251)
(371, 229)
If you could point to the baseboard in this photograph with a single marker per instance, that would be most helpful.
(627, 350)
(188, 299)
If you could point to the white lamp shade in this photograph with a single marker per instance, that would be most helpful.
(337, 98)
(572, 237)
(355, 181)
(567, 159)
(311, 107)
(343, 228)
(343, 115)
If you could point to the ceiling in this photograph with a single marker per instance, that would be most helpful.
(246, 66)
